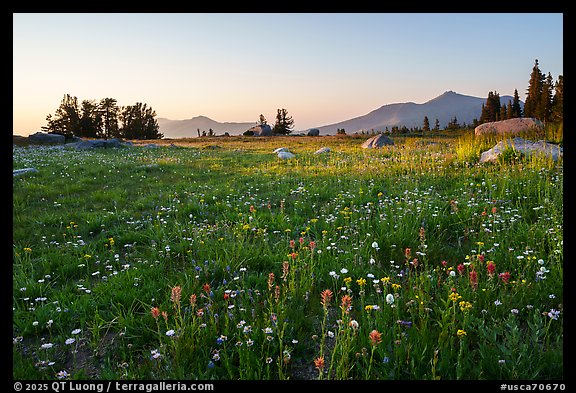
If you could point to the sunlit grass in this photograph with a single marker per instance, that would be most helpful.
(438, 267)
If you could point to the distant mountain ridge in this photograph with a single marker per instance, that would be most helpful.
(444, 108)
(188, 128)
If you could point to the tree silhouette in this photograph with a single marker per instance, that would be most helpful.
(426, 125)
(66, 120)
(516, 108)
(102, 120)
(284, 123)
(534, 93)
(138, 122)
(109, 111)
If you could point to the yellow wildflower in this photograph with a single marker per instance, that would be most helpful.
(454, 297)
(465, 306)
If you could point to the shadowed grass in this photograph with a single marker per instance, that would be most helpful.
(103, 238)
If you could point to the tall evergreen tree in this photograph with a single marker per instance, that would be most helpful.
(495, 106)
(509, 110)
(151, 128)
(491, 110)
(284, 123)
(66, 120)
(558, 100)
(544, 112)
(138, 122)
(426, 125)
(534, 92)
(502, 115)
(90, 120)
(516, 108)
(109, 112)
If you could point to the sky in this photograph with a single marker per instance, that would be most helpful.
(322, 68)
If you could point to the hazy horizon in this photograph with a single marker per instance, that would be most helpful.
(322, 68)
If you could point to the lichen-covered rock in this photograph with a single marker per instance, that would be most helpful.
(285, 155)
(523, 146)
(509, 127)
(23, 171)
(377, 142)
(259, 130)
(95, 144)
(322, 150)
(44, 138)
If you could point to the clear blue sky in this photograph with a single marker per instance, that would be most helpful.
(321, 67)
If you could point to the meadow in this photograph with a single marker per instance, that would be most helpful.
(212, 259)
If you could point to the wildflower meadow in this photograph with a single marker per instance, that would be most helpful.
(213, 259)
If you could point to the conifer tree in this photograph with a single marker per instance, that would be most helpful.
(558, 100)
(502, 115)
(109, 111)
(491, 110)
(509, 110)
(101, 120)
(138, 122)
(66, 119)
(545, 108)
(284, 123)
(516, 108)
(534, 93)
(90, 120)
(426, 125)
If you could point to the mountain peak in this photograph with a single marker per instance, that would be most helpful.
(201, 117)
(190, 127)
(451, 96)
(450, 93)
(442, 108)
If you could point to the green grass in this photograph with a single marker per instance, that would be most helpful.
(237, 247)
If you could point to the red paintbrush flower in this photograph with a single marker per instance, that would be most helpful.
(326, 297)
(375, 337)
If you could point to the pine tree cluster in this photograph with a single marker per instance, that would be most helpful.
(544, 98)
(103, 119)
